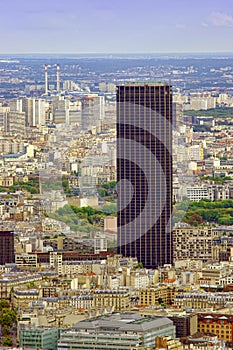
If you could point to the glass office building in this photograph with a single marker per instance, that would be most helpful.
(144, 172)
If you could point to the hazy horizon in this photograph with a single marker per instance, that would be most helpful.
(113, 54)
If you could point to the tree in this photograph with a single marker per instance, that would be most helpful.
(195, 220)
(139, 265)
(177, 215)
(225, 220)
(6, 330)
(109, 209)
(4, 304)
(7, 318)
(110, 185)
(160, 301)
(30, 285)
(7, 341)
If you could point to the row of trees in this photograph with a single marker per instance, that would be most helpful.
(8, 319)
(196, 213)
(218, 180)
(32, 186)
(86, 219)
(204, 204)
(220, 112)
(108, 191)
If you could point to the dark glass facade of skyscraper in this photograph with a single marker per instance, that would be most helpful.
(6, 247)
(144, 172)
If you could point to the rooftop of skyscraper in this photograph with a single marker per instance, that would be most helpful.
(144, 83)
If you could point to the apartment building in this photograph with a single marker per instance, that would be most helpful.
(192, 243)
(118, 299)
(202, 300)
(219, 324)
(158, 294)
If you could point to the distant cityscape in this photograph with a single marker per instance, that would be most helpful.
(116, 201)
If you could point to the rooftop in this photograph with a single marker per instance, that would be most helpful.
(124, 322)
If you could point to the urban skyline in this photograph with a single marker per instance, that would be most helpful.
(58, 195)
(116, 174)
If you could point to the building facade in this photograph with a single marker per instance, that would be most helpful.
(155, 295)
(144, 160)
(193, 243)
(218, 324)
(6, 247)
(119, 300)
(186, 324)
(204, 300)
(39, 338)
(118, 331)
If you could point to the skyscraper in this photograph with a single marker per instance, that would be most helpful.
(144, 172)
(35, 111)
(92, 111)
(6, 247)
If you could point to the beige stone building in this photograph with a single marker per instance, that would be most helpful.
(119, 300)
(168, 343)
(155, 295)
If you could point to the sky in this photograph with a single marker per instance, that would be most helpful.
(115, 26)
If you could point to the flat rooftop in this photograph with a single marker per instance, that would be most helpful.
(144, 83)
(124, 322)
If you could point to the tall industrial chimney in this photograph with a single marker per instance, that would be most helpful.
(58, 77)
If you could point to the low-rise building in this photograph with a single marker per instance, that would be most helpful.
(22, 297)
(167, 343)
(157, 294)
(218, 324)
(26, 260)
(186, 324)
(15, 279)
(117, 331)
(202, 300)
(202, 341)
(118, 299)
(39, 338)
(215, 274)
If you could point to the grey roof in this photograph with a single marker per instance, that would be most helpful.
(124, 322)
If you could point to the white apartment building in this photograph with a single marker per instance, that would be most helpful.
(211, 192)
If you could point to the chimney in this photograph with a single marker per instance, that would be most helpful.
(46, 79)
(58, 77)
